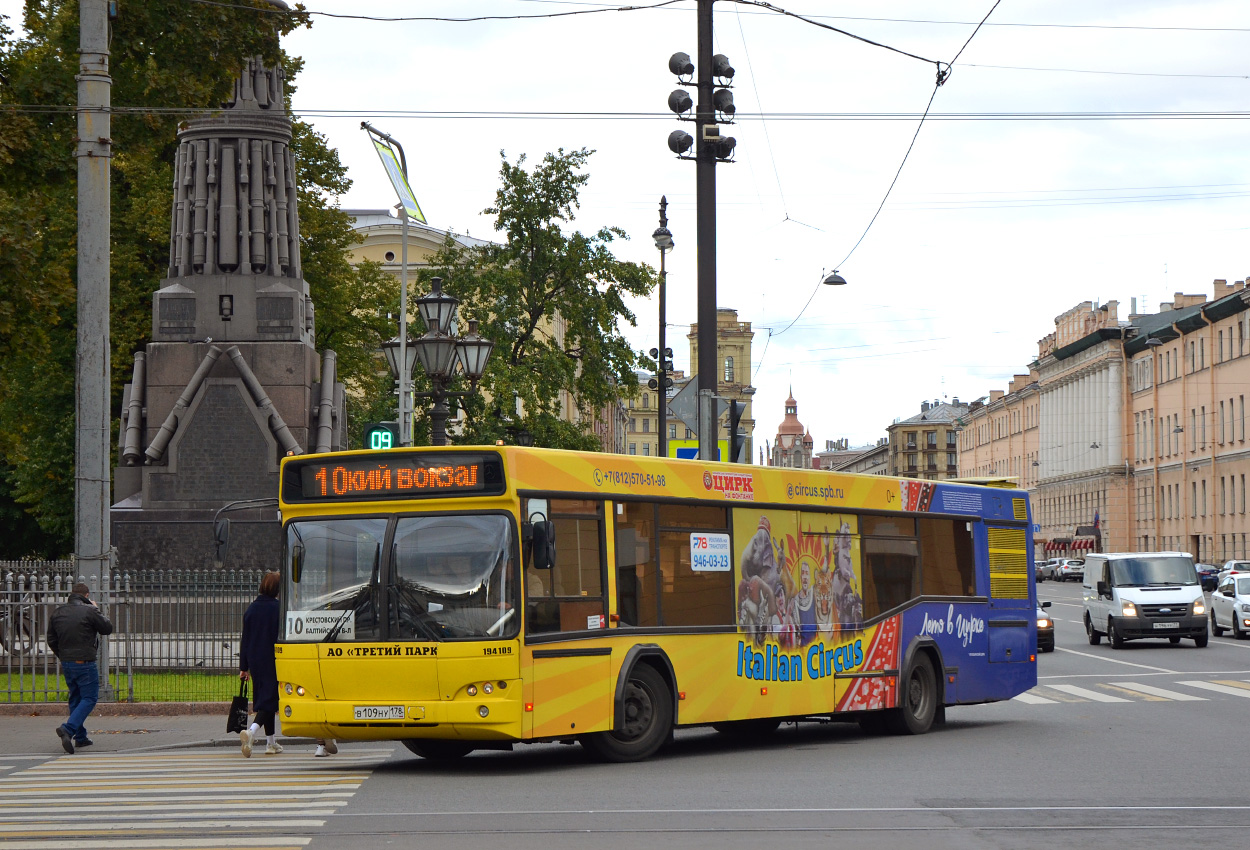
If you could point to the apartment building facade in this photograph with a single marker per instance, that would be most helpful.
(926, 445)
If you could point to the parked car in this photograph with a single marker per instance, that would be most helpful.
(1234, 567)
(1070, 570)
(1047, 569)
(1208, 575)
(1230, 606)
(1045, 629)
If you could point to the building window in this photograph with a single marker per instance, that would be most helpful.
(672, 432)
(930, 439)
(633, 448)
(1221, 423)
(689, 434)
(631, 404)
(646, 426)
(633, 424)
(646, 400)
(646, 450)
(729, 370)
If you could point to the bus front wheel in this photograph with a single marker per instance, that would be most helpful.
(438, 750)
(647, 720)
(918, 699)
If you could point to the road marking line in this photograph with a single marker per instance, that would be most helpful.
(76, 827)
(1233, 684)
(276, 842)
(1158, 692)
(1087, 694)
(1218, 688)
(1033, 699)
(1117, 660)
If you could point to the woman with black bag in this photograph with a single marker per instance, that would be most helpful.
(261, 622)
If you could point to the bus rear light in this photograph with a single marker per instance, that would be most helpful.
(1032, 657)
(681, 695)
(763, 692)
(529, 706)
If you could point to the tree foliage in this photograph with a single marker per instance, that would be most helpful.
(167, 58)
(553, 302)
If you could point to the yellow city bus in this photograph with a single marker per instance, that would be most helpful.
(469, 598)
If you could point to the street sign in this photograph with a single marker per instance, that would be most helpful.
(689, 449)
(685, 405)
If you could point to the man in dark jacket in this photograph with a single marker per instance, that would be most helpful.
(73, 634)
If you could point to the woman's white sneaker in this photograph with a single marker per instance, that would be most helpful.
(273, 749)
(321, 752)
(245, 742)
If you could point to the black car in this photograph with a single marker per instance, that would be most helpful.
(1045, 629)
(1208, 575)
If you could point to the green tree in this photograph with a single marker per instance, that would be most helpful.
(167, 59)
(553, 302)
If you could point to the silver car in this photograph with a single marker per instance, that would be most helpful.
(1230, 606)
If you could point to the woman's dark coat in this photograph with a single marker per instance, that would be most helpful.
(256, 656)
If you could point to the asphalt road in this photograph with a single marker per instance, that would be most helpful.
(1138, 747)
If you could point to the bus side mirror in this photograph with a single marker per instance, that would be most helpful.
(1103, 590)
(543, 545)
(297, 562)
(221, 539)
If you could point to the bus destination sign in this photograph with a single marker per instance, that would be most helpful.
(393, 475)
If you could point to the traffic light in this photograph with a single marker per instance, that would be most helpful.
(737, 441)
(711, 143)
(381, 435)
(664, 366)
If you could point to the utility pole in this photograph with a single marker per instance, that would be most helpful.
(92, 447)
(715, 106)
(705, 235)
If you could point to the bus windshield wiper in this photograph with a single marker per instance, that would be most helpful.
(333, 634)
(422, 613)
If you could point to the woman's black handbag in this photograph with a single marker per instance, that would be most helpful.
(237, 721)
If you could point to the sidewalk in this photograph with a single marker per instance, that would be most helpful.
(126, 727)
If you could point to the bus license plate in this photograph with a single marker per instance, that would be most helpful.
(379, 712)
(1167, 625)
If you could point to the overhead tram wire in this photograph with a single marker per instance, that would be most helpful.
(432, 18)
(941, 79)
(556, 115)
(601, 8)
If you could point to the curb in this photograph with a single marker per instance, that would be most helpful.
(116, 709)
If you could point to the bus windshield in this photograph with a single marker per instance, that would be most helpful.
(451, 576)
(1145, 572)
(454, 576)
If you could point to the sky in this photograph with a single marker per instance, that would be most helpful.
(1044, 194)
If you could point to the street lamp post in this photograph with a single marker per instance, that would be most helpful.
(439, 351)
(663, 241)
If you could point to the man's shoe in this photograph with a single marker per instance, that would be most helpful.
(331, 747)
(245, 741)
(85, 742)
(273, 749)
(321, 751)
(67, 740)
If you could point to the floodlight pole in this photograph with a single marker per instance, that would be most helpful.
(705, 199)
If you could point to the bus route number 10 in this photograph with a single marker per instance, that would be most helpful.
(709, 553)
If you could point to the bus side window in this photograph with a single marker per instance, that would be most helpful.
(635, 564)
(947, 562)
(569, 596)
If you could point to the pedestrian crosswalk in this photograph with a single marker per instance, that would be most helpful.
(1119, 692)
(186, 800)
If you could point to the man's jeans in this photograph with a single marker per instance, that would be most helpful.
(84, 691)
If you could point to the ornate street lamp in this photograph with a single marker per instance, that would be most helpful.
(664, 242)
(440, 351)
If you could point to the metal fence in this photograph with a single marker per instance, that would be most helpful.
(175, 638)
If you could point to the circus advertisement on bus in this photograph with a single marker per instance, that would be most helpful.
(800, 606)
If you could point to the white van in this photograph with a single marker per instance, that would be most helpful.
(1130, 595)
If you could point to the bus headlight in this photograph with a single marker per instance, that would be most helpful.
(298, 690)
(290, 689)
(1129, 610)
(483, 710)
(471, 690)
(488, 688)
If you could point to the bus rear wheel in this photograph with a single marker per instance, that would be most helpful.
(647, 720)
(918, 699)
(438, 750)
